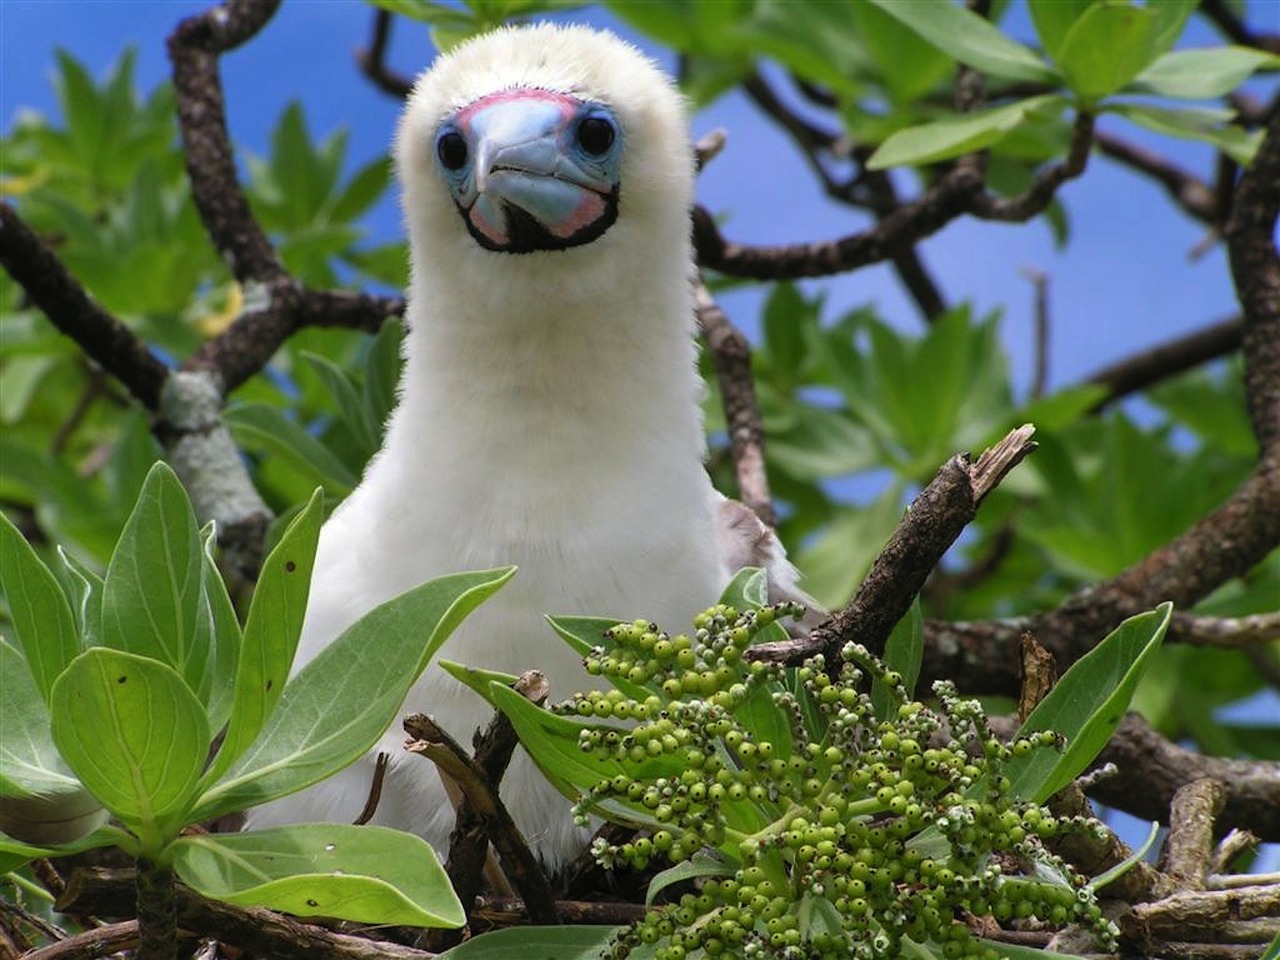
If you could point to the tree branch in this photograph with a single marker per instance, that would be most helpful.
(936, 518)
(373, 59)
(731, 357)
(1188, 191)
(1167, 359)
(255, 929)
(52, 288)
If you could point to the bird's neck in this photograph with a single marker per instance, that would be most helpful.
(547, 378)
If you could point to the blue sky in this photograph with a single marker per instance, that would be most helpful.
(1123, 283)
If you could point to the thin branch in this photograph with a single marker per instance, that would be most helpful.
(194, 49)
(1166, 360)
(518, 861)
(1188, 191)
(731, 357)
(936, 518)
(1234, 633)
(1235, 29)
(101, 941)
(52, 288)
(942, 203)
(1045, 186)
(1040, 319)
(373, 59)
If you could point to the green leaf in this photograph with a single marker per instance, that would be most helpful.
(575, 942)
(152, 598)
(343, 391)
(362, 191)
(476, 679)
(135, 735)
(968, 38)
(957, 135)
(14, 853)
(1206, 125)
(552, 742)
(41, 801)
(259, 426)
(84, 591)
(41, 616)
(904, 653)
(226, 638)
(1204, 74)
(338, 706)
(271, 634)
(364, 874)
(786, 314)
(911, 66)
(382, 374)
(1128, 863)
(1109, 45)
(1053, 19)
(1087, 705)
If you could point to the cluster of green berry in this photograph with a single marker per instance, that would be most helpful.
(828, 831)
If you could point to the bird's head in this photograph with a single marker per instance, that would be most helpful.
(541, 139)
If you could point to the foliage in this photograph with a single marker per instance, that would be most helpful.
(118, 683)
(827, 820)
(845, 397)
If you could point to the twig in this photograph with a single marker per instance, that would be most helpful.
(934, 521)
(375, 789)
(1233, 633)
(1040, 194)
(518, 861)
(373, 59)
(505, 912)
(1235, 843)
(98, 942)
(1188, 191)
(731, 357)
(1040, 318)
(1234, 28)
(52, 288)
(1168, 359)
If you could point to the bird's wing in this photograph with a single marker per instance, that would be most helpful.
(746, 541)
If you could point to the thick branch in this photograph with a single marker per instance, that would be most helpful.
(257, 930)
(731, 357)
(52, 288)
(935, 520)
(1152, 770)
(194, 48)
(1167, 360)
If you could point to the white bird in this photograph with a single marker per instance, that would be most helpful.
(549, 409)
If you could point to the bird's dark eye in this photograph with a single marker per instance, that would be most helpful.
(452, 150)
(596, 135)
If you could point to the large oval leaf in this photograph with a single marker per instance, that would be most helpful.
(577, 942)
(135, 735)
(366, 874)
